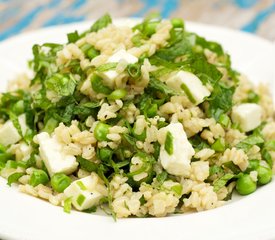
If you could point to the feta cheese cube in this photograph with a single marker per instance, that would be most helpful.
(179, 162)
(84, 193)
(9, 134)
(247, 115)
(190, 84)
(51, 153)
(121, 55)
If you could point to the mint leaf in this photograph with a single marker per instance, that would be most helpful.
(222, 181)
(102, 22)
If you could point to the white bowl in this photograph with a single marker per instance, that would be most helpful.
(251, 217)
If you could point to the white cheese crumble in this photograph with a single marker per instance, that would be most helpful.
(121, 55)
(177, 163)
(247, 116)
(8, 132)
(190, 84)
(51, 153)
(84, 192)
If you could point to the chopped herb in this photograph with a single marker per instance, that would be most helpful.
(87, 165)
(102, 22)
(73, 37)
(14, 177)
(98, 86)
(222, 181)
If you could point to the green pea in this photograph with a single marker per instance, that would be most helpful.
(38, 177)
(101, 131)
(117, 94)
(18, 107)
(177, 23)
(150, 28)
(245, 185)
(60, 182)
(105, 154)
(218, 145)
(253, 165)
(264, 175)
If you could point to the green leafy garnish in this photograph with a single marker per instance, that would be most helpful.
(222, 181)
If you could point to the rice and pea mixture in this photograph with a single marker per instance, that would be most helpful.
(143, 121)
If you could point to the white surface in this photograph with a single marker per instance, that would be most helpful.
(253, 217)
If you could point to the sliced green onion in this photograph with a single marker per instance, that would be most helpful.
(117, 94)
(107, 66)
(38, 177)
(224, 120)
(218, 145)
(81, 185)
(168, 145)
(80, 199)
(177, 189)
(188, 93)
(134, 70)
(14, 177)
